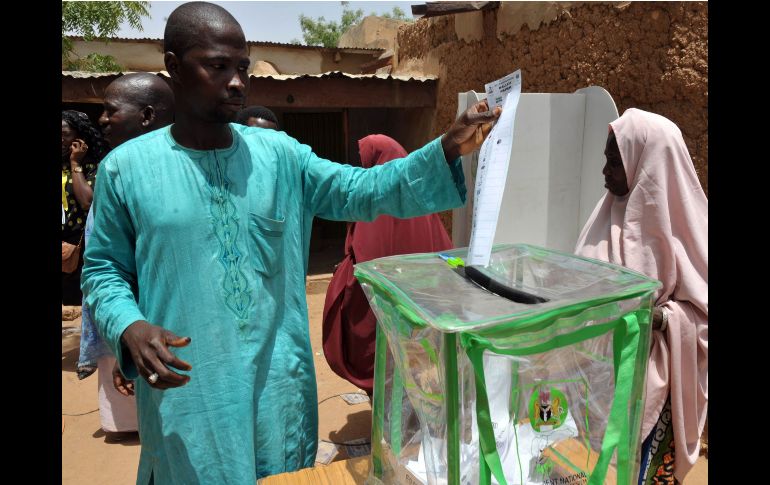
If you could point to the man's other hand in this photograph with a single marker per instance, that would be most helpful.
(148, 345)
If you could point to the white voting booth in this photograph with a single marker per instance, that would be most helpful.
(554, 177)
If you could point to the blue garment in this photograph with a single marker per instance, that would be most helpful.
(213, 245)
(92, 347)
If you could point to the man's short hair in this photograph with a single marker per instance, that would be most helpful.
(255, 112)
(145, 89)
(188, 24)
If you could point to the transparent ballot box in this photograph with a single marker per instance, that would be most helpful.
(474, 388)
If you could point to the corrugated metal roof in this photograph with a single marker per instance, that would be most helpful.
(366, 50)
(280, 77)
(88, 74)
(339, 74)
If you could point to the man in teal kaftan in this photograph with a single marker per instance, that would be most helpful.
(202, 230)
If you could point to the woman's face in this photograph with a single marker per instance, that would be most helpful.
(614, 172)
(68, 135)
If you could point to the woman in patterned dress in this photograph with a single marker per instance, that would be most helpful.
(82, 148)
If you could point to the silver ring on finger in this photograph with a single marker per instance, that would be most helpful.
(153, 378)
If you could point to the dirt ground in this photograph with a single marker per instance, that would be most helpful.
(88, 459)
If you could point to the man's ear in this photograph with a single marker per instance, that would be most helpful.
(148, 116)
(172, 65)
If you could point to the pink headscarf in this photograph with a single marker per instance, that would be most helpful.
(660, 228)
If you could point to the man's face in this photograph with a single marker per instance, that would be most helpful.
(614, 172)
(121, 119)
(261, 123)
(213, 80)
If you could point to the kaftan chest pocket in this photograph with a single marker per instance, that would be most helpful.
(266, 248)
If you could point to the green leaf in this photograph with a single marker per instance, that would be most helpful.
(97, 21)
(322, 33)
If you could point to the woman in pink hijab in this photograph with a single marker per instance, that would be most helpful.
(348, 322)
(654, 219)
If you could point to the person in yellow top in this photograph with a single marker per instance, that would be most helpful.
(82, 148)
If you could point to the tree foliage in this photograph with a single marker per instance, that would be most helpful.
(325, 33)
(96, 21)
(396, 14)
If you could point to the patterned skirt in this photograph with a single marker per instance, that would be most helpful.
(657, 466)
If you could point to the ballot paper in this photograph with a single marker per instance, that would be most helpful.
(493, 168)
(498, 90)
(326, 452)
(354, 398)
(518, 461)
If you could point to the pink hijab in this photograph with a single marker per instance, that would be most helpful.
(660, 228)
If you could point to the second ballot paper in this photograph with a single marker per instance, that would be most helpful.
(492, 170)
